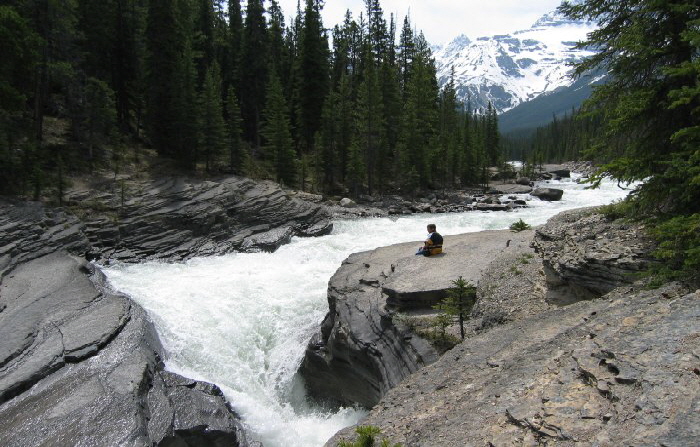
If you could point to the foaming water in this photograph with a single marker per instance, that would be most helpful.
(242, 320)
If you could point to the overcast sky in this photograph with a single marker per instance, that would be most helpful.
(443, 20)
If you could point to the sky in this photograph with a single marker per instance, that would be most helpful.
(443, 20)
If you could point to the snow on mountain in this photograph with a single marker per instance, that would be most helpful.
(510, 69)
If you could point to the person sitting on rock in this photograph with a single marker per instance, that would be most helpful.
(433, 244)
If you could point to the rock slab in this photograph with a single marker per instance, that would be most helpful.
(360, 354)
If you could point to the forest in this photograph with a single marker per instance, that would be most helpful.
(217, 88)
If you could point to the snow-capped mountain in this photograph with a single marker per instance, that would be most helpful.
(513, 68)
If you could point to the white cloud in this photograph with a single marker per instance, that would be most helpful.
(443, 20)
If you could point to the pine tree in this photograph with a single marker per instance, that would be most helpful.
(650, 107)
(254, 70)
(406, 53)
(491, 136)
(213, 128)
(312, 79)
(164, 42)
(232, 69)
(237, 155)
(459, 302)
(278, 138)
(186, 135)
(370, 124)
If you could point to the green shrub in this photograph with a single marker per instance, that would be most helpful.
(367, 437)
(519, 226)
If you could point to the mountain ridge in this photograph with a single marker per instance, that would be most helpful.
(510, 69)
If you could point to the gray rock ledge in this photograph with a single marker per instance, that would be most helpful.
(360, 354)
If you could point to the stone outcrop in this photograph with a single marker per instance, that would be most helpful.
(622, 369)
(93, 363)
(586, 255)
(360, 353)
(179, 218)
(81, 365)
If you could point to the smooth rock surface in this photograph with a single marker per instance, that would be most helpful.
(359, 353)
(86, 368)
(614, 371)
(80, 365)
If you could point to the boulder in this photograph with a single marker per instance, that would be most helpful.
(347, 203)
(548, 194)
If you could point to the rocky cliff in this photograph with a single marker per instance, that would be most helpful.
(621, 367)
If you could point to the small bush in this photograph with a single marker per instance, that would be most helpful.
(368, 437)
(620, 209)
(519, 226)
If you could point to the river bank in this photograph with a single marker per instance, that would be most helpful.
(563, 347)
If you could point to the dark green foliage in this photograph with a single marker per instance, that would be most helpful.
(278, 139)
(237, 155)
(650, 111)
(519, 226)
(678, 249)
(213, 128)
(87, 79)
(368, 436)
(459, 302)
(312, 75)
(254, 67)
(564, 139)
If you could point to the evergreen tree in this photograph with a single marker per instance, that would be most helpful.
(369, 124)
(278, 138)
(237, 155)
(447, 164)
(459, 302)
(165, 40)
(254, 70)
(407, 48)
(651, 109)
(312, 80)
(232, 69)
(187, 110)
(491, 136)
(213, 128)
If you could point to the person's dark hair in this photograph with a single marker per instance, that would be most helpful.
(432, 227)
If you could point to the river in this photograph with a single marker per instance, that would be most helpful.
(242, 320)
